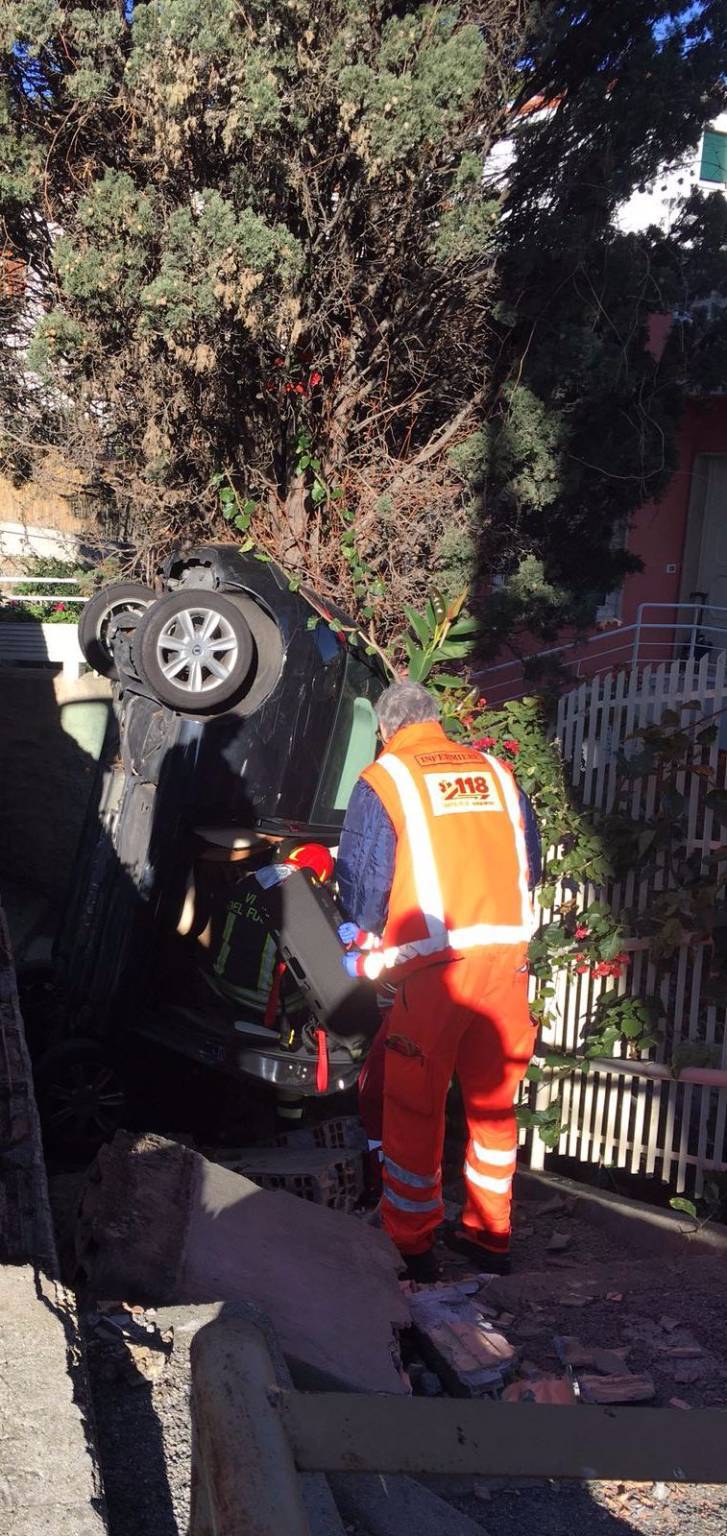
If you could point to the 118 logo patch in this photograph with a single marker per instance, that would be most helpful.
(453, 792)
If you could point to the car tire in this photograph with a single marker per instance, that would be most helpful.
(196, 651)
(81, 1098)
(96, 615)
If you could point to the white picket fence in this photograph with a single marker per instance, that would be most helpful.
(37, 643)
(645, 1115)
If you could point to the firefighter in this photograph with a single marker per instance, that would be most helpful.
(247, 970)
(246, 966)
(438, 855)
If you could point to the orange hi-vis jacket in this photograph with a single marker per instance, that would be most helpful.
(461, 869)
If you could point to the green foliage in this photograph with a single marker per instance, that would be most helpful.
(57, 612)
(438, 636)
(222, 204)
(685, 1207)
(584, 416)
(428, 71)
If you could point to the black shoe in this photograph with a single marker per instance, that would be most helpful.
(487, 1261)
(422, 1267)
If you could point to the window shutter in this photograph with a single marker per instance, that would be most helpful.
(714, 157)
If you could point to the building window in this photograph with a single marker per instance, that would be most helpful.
(714, 157)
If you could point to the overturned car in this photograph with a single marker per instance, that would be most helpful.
(242, 716)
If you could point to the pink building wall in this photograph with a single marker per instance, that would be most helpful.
(658, 531)
(657, 535)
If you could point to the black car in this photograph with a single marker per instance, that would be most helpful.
(240, 717)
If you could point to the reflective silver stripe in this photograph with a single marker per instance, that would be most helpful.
(512, 801)
(416, 1180)
(426, 879)
(479, 936)
(490, 933)
(402, 1204)
(483, 1181)
(496, 1158)
(267, 965)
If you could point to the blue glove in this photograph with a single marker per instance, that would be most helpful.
(352, 963)
(348, 933)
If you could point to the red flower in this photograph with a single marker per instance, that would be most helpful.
(315, 378)
(512, 746)
(288, 388)
(279, 361)
(484, 742)
(582, 932)
(481, 702)
(468, 719)
(59, 607)
(299, 389)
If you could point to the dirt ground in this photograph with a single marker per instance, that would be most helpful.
(668, 1319)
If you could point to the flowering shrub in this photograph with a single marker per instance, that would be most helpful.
(55, 612)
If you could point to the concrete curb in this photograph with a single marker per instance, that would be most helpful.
(49, 1473)
(642, 1228)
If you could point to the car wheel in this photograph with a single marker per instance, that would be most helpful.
(81, 1099)
(97, 616)
(196, 650)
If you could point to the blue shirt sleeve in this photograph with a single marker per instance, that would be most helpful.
(532, 841)
(365, 864)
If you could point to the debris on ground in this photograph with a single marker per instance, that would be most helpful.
(551, 1346)
(454, 1336)
(326, 1176)
(131, 1344)
(617, 1389)
(541, 1389)
(162, 1223)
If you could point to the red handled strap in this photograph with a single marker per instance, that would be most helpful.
(271, 1007)
(322, 1067)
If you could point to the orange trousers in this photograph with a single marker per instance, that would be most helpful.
(469, 1016)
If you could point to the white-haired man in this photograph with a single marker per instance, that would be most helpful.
(438, 856)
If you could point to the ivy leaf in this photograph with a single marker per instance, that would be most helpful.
(678, 1203)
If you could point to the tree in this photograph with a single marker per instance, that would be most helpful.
(582, 415)
(270, 282)
(263, 259)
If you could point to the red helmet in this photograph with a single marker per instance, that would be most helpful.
(313, 856)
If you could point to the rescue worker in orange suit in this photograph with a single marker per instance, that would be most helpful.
(438, 856)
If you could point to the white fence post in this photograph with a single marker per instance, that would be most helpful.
(634, 1113)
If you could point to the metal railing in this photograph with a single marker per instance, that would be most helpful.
(650, 639)
(24, 598)
(252, 1435)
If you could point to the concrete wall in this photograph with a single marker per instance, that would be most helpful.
(50, 738)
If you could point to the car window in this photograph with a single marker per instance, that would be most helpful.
(352, 745)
